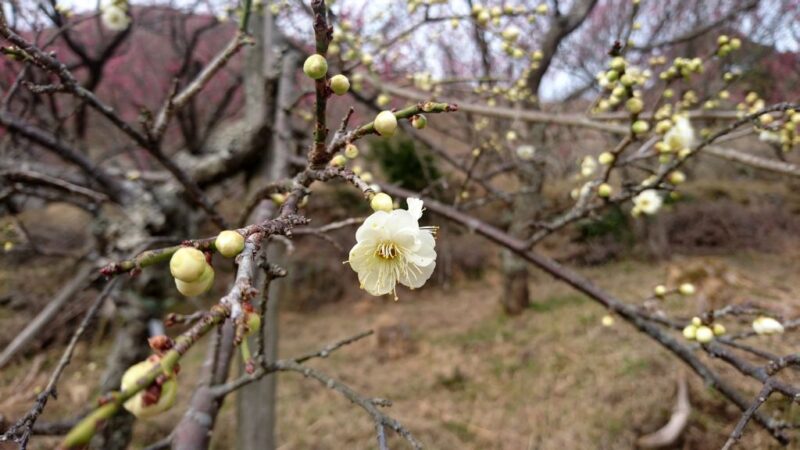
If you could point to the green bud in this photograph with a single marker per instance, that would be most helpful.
(315, 66)
(340, 84)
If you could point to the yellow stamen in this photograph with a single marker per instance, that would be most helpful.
(387, 250)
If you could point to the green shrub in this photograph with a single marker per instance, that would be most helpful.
(403, 163)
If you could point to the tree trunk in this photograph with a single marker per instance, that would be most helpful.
(528, 204)
(526, 208)
(256, 402)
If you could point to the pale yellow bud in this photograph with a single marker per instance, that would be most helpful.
(199, 286)
(340, 84)
(704, 335)
(382, 202)
(187, 264)
(605, 158)
(229, 243)
(315, 66)
(385, 123)
(351, 151)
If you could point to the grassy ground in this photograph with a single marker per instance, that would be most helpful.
(553, 378)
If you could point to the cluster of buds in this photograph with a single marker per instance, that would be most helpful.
(726, 45)
(191, 268)
(682, 67)
(316, 68)
(678, 135)
(517, 91)
(623, 80)
(684, 289)
(779, 130)
(422, 80)
(351, 152)
(348, 46)
(702, 332)
(192, 272)
(414, 4)
(483, 16)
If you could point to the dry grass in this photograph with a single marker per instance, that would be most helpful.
(553, 378)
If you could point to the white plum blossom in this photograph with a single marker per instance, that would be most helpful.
(392, 248)
(647, 202)
(769, 136)
(526, 152)
(767, 325)
(115, 18)
(681, 135)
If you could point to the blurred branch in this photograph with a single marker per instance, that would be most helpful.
(699, 31)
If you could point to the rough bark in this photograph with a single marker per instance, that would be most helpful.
(256, 403)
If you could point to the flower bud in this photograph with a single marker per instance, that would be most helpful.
(382, 202)
(383, 100)
(686, 289)
(385, 123)
(663, 126)
(719, 329)
(660, 290)
(338, 161)
(229, 243)
(607, 320)
(419, 121)
(253, 323)
(187, 264)
(315, 66)
(704, 335)
(604, 190)
(627, 80)
(696, 321)
(340, 84)
(278, 198)
(136, 404)
(618, 63)
(634, 105)
(689, 332)
(367, 60)
(199, 286)
(640, 127)
(605, 158)
(351, 151)
(677, 177)
(510, 34)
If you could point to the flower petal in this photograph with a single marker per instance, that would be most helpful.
(415, 276)
(374, 225)
(378, 278)
(415, 207)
